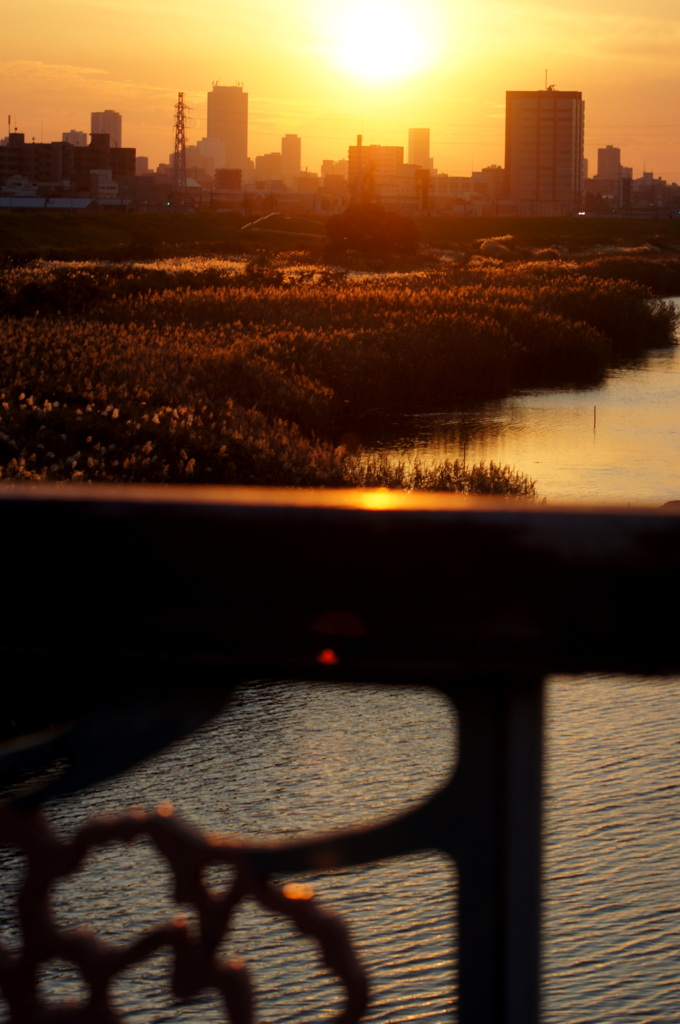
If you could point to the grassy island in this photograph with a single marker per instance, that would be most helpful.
(258, 367)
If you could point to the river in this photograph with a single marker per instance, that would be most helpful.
(290, 759)
(286, 760)
(619, 442)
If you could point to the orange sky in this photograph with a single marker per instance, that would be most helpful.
(327, 71)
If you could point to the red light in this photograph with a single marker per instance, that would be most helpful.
(327, 657)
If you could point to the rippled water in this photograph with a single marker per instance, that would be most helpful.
(290, 759)
(612, 863)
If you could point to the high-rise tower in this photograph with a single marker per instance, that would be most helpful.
(544, 151)
(609, 162)
(228, 122)
(291, 156)
(108, 122)
(419, 148)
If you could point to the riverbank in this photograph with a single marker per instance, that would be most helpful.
(263, 371)
(112, 235)
(614, 444)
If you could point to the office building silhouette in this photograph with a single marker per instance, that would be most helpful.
(544, 151)
(609, 162)
(291, 157)
(107, 122)
(228, 122)
(419, 148)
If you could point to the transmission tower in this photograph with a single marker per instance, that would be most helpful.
(179, 166)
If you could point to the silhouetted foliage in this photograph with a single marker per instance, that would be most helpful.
(250, 371)
(370, 228)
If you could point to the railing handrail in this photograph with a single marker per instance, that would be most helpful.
(481, 597)
(401, 581)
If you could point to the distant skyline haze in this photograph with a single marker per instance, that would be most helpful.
(327, 72)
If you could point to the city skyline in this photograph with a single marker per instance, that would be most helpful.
(326, 74)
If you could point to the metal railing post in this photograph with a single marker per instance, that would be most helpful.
(497, 847)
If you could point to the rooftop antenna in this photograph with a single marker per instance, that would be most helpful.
(179, 166)
(546, 79)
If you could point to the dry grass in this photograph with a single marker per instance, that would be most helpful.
(241, 372)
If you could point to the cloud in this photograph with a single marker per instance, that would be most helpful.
(634, 45)
(28, 77)
(25, 73)
(46, 99)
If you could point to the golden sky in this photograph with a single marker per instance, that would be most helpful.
(328, 71)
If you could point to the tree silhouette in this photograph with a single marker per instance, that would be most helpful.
(371, 228)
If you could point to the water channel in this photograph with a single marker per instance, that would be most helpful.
(619, 442)
(288, 760)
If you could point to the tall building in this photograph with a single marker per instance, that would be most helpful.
(291, 154)
(206, 157)
(374, 172)
(609, 162)
(544, 151)
(107, 122)
(74, 138)
(269, 167)
(228, 122)
(419, 148)
(370, 165)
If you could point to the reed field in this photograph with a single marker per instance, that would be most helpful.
(260, 369)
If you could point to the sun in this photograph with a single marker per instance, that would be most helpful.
(382, 40)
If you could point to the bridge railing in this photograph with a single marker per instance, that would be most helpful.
(144, 607)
